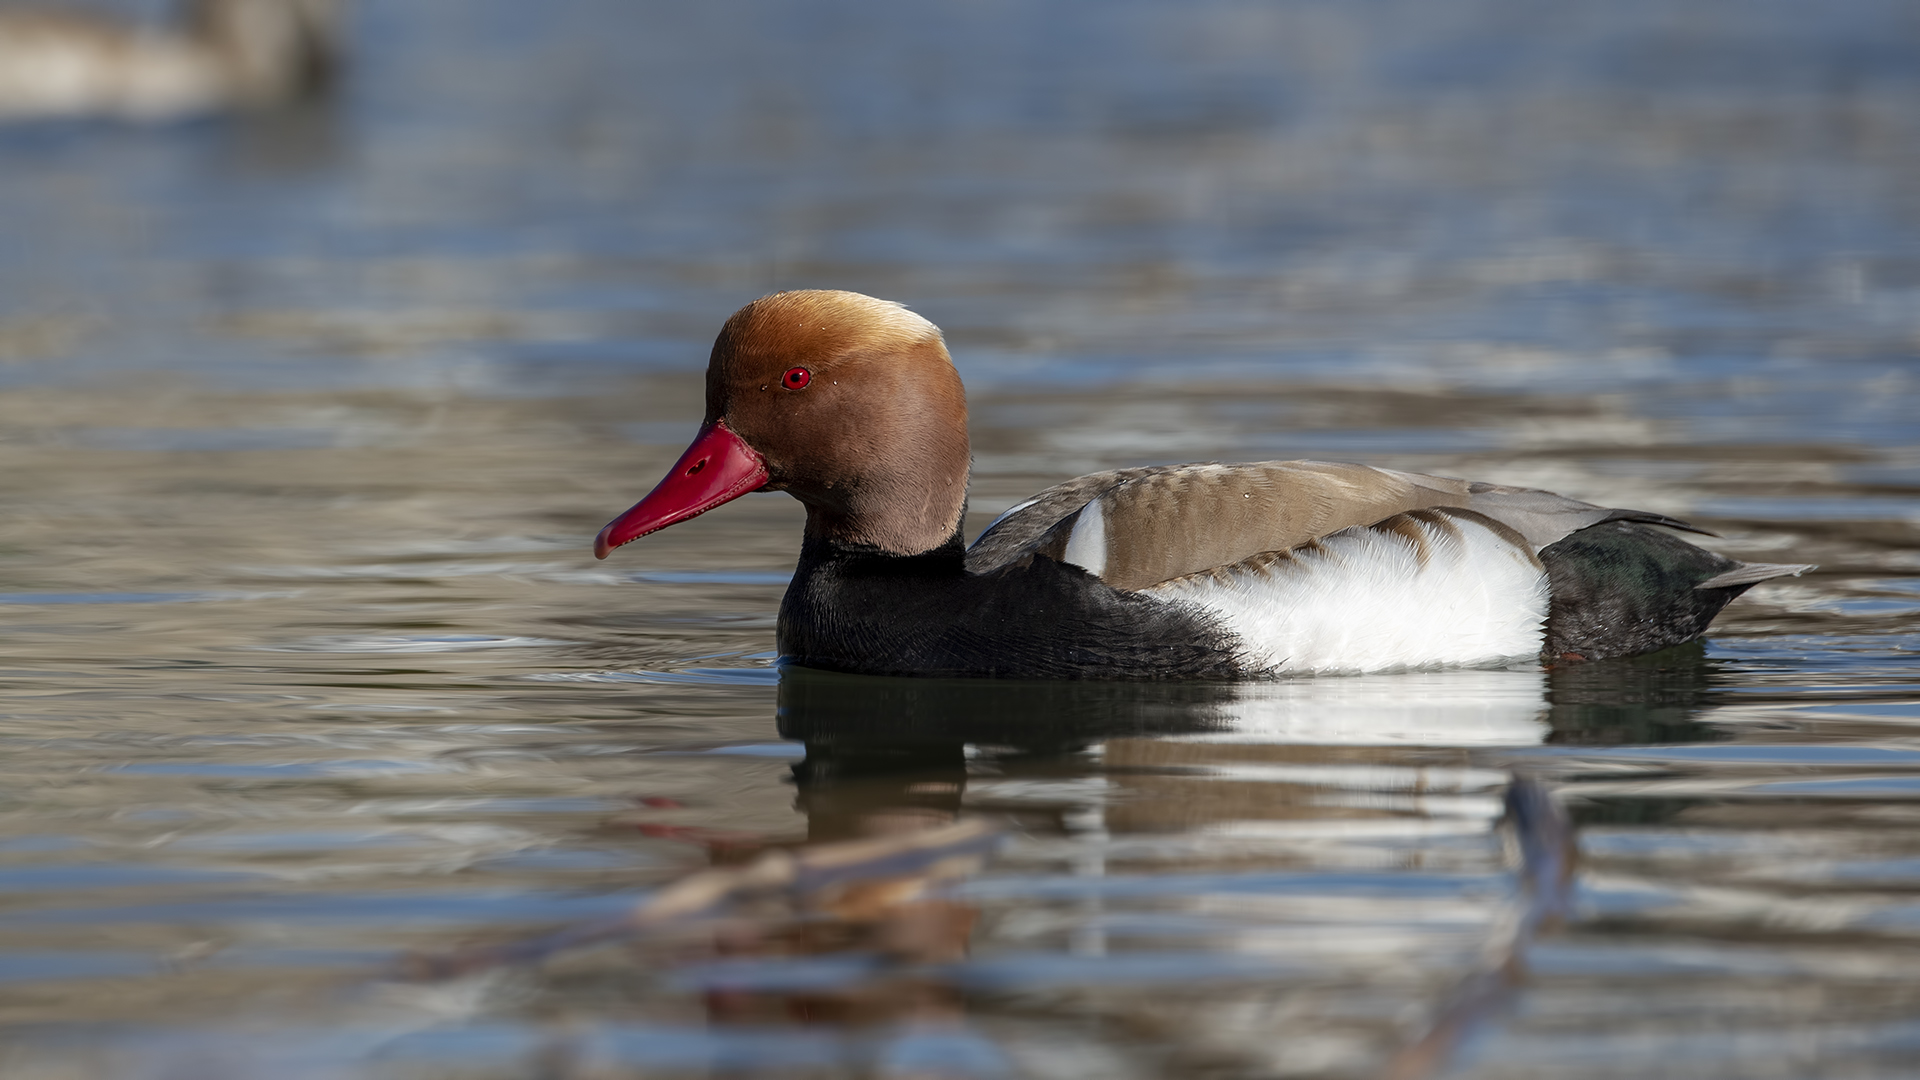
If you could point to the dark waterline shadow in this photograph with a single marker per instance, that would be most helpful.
(1643, 699)
(885, 754)
(1646, 699)
(862, 715)
(891, 753)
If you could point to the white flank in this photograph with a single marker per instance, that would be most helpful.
(1362, 599)
(1087, 544)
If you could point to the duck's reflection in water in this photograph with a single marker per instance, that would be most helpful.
(1649, 699)
(1119, 784)
(871, 728)
(887, 754)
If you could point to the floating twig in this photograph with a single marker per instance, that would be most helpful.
(798, 873)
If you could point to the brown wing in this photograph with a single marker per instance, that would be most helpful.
(1160, 523)
(1135, 528)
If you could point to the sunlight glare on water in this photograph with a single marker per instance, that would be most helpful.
(308, 419)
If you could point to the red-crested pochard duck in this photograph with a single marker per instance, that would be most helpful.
(217, 55)
(853, 406)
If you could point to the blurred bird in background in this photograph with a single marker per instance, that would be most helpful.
(215, 56)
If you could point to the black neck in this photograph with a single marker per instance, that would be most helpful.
(947, 560)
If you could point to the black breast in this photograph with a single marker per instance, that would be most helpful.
(877, 614)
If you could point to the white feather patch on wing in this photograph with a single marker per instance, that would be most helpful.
(1087, 544)
(1427, 589)
(1009, 512)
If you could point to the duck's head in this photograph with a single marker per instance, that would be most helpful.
(849, 403)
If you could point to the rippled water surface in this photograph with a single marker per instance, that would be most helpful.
(309, 680)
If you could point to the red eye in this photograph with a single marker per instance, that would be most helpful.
(796, 378)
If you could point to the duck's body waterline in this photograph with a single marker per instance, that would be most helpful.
(1197, 571)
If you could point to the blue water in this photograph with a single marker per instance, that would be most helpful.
(307, 420)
